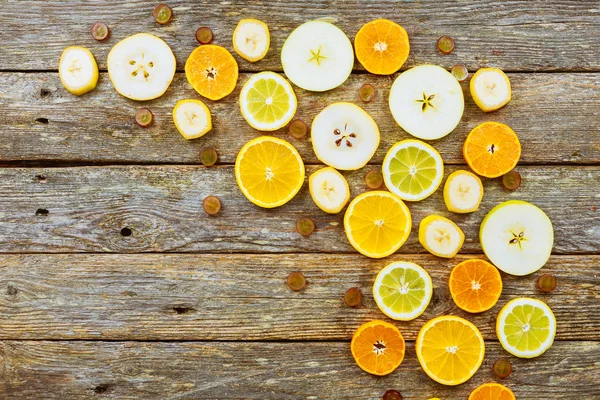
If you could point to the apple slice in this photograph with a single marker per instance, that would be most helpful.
(517, 237)
(427, 102)
(317, 56)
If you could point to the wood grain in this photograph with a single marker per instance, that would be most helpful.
(313, 370)
(245, 297)
(87, 208)
(555, 115)
(519, 35)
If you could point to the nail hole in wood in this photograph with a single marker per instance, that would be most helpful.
(184, 310)
(11, 290)
(126, 232)
(44, 92)
(42, 212)
(103, 388)
(42, 120)
(41, 178)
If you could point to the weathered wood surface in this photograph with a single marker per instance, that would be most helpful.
(87, 207)
(225, 370)
(245, 297)
(518, 35)
(555, 115)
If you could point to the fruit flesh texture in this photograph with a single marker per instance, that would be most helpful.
(440, 236)
(78, 70)
(463, 192)
(267, 101)
(475, 285)
(492, 391)
(490, 89)
(378, 347)
(382, 46)
(212, 71)
(329, 190)
(192, 118)
(251, 39)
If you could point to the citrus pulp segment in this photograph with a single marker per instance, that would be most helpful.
(192, 118)
(378, 347)
(490, 89)
(212, 71)
(463, 192)
(492, 149)
(440, 236)
(251, 39)
(78, 70)
(381, 46)
(329, 190)
(475, 285)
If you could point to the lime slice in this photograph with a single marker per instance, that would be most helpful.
(526, 327)
(267, 101)
(412, 170)
(402, 290)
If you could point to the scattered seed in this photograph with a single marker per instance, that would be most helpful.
(208, 156)
(460, 72)
(305, 226)
(546, 283)
(144, 117)
(374, 179)
(353, 297)
(296, 281)
(502, 368)
(212, 205)
(162, 14)
(511, 180)
(100, 31)
(445, 44)
(392, 395)
(204, 35)
(297, 129)
(367, 92)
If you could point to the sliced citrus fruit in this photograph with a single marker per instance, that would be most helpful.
(490, 89)
(269, 171)
(381, 46)
(412, 170)
(212, 71)
(440, 236)
(450, 349)
(492, 149)
(402, 290)
(251, 39)
(192, 118)
(267, 101)
(329, 190)
(492, 391)
(377, 223)
(526, 327)
(378, 347)
(463, 192)
(475, 285)
(78, 70)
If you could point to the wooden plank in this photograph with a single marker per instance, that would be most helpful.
(245, 297)
(555, 116)
(218, 370)
(519, 35)
(87, 208)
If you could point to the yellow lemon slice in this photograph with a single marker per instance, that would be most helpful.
(329, 190)
(192, 118)
(490, 89)
(251, 39)
(78, 70)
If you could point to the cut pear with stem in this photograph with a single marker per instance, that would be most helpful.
(517, 237)
(427, 102)
(317, 56)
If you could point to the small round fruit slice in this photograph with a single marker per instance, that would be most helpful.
(78, 70)
(377, 223)
(192, 118)
(526, 327)
(463, 192)
(251, 39)
(329, 190)
(141, 67)
(382, 46)
(492, 391)
(412, 170)
(402, 290)
(450, 349)
(269, 171)
(440, 236)
(267, 101)
(517, 237)
(475, 285)
(492, 149)
(212, 71)
(490, 89)
(317, 56)
(378, 347)
(427, 101)
(344, 136)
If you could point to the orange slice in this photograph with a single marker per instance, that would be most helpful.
(475, 285)
(492, 391)
(492, 149)
(212, 71)
(381, 46)
(450, 349)
(378, 347)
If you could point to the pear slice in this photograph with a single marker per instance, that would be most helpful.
(141, 67)
(517, 237)
(78, 70)
(317, 56)
(427, 102)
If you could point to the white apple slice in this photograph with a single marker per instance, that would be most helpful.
(78, 70)
(344, 136)
(427, 102)
(317, 56)
(517, 237)
(141, 67)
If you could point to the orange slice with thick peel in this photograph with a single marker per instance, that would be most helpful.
(378, 347)
(492, 149)
(492, 391)
(381, 46)
(475, 285)
(212, 71)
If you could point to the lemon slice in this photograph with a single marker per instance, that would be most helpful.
(463, 192)
(526, 327)
(377, 223)
(329, 190)
(251, 39)
(192, 118)
(440, 236)
(267, 101)
(269, 171)
(412, 170)
(78, 70)
(490, 89)
(402, 290)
